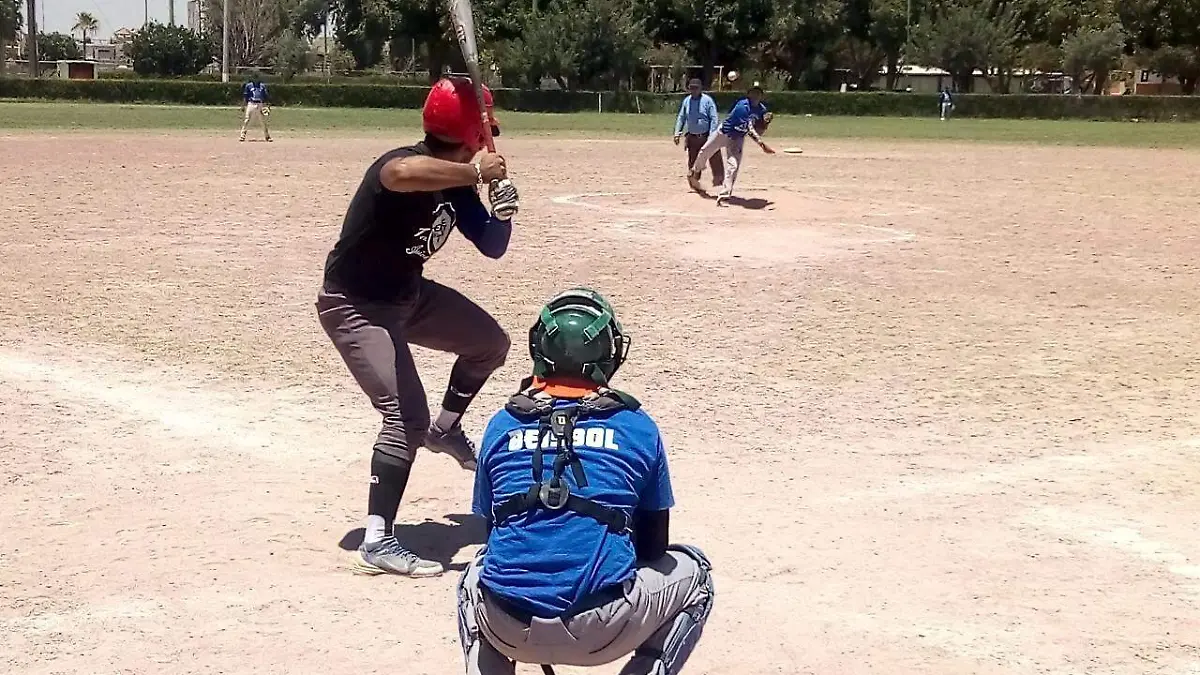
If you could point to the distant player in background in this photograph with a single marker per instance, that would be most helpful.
(748, 116)
(945, 103)
(254, 94)
(698, 117)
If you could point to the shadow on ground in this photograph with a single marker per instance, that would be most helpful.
(432, 540)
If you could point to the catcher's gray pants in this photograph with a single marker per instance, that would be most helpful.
(694, 143)
(658, 621)
(733, 157)
(255, 110)
(373, 339)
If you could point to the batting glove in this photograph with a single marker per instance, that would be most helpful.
(503, 196)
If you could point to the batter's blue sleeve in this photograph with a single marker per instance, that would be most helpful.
(490, 235)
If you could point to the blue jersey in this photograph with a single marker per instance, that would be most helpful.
(742, 117)
(546, 561)
(255, 92)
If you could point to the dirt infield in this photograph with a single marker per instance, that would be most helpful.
(931, 408)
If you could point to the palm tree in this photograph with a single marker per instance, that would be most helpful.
(85, 23)
(10, 25)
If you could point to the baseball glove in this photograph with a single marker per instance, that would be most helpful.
(761, 126)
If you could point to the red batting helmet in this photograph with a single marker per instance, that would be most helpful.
(452, 112)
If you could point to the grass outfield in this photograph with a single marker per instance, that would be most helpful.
(96, 116)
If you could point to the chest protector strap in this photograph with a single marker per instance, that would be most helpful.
(559, 422)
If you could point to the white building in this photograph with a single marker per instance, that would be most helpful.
(196, 19)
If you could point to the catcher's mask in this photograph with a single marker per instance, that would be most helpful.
(577, 335)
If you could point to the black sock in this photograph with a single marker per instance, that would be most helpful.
(389, 477)
(462, 390)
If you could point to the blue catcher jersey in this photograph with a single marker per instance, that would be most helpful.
(545, 561)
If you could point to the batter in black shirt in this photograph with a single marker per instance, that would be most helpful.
(375, 301)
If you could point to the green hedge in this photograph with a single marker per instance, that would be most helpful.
(190, 92)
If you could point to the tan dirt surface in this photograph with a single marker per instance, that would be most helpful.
(930, 408)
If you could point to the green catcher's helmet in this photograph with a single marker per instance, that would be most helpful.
(577, 335)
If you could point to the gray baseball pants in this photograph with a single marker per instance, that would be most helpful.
(374, 337)
(658, 621)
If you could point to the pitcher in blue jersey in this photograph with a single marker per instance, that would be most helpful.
(746, 117)
(574, 485)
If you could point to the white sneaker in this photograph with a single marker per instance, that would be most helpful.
(387, 556)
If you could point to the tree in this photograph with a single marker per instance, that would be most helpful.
(713, 31)
(293, 55)
(803, 35)
(539, 52)
(610, 40)
(589, 44)
(58, 47)
(11, 22)
(862, 58)
(85, 23)
(889, 32)
(168, 50)
(1090, 55)
(362, 29)
(961, 39)
(254, 28)
(1181, 63)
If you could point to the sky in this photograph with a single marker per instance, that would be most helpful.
(112, 14)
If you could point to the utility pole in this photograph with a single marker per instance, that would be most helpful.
(146, 16)
(225, 42)
(171, 12)
(31, 46)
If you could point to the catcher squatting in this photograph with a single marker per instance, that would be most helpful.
(572, 478)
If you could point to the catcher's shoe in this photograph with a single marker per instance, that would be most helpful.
(452, 442)
(387, 556)
(723, 200)
(242, 138)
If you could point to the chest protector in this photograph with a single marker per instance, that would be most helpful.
(558, 421)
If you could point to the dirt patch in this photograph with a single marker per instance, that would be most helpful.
(930, 408)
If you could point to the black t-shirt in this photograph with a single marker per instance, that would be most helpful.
(387, 236)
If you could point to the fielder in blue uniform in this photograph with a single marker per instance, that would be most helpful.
(747, 117)
(574, 484)
(945, 104)
(257, 102)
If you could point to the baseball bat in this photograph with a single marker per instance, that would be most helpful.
(464, 27)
